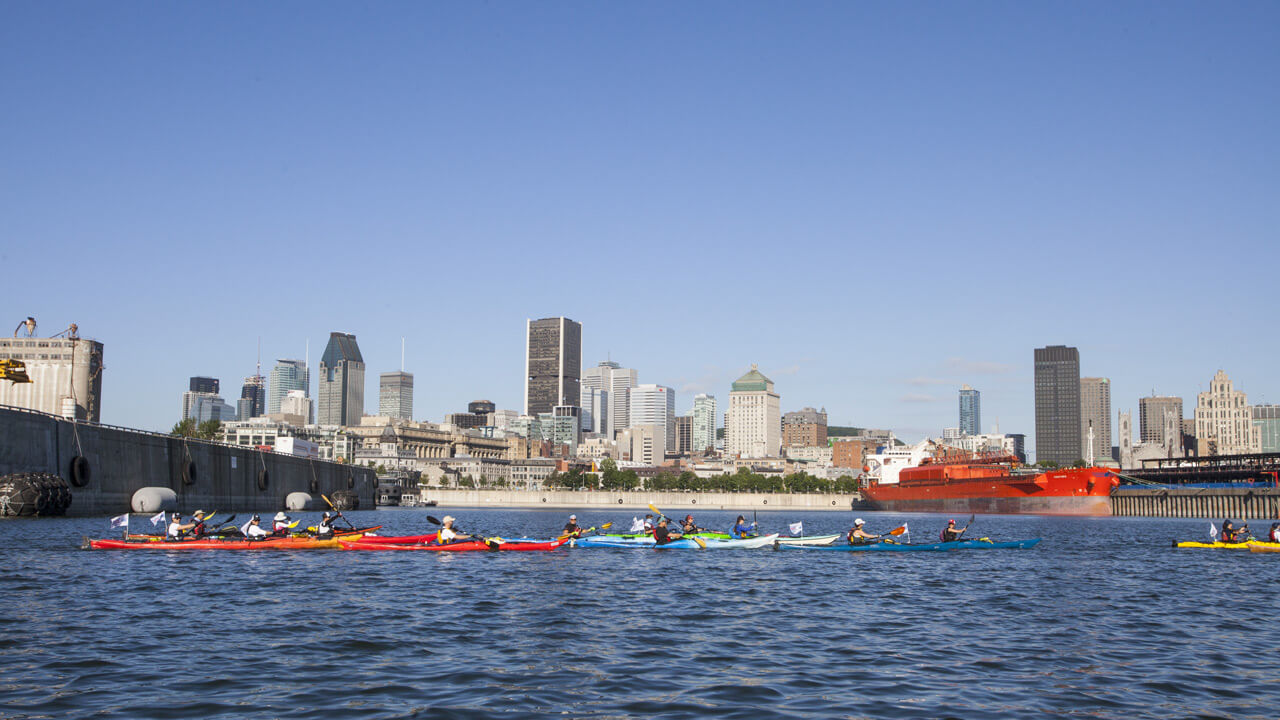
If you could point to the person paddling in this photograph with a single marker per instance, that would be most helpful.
(324, 529)
(177, 529)
(742, 529)
(648, 523)
(662, 535)
(858, 536)
(280, 524)
(448, 534)
(1274, 535)
(197, 524)
(253, 529)
(571, 528)
(1231, 533)
(950, 533)
(689, 526)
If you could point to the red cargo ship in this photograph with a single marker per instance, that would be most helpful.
(987, 484)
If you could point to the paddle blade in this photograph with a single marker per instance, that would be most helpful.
(701, 543)
(897, 531)
(606, 526)
(433, 520)
(655, 510)
(293, 524)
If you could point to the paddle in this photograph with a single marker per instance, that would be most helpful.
(336, 510)
(606, 526)
(697, 540)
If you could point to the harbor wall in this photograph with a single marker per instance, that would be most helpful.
(206, 475)
(633, 500)
(1211, 503)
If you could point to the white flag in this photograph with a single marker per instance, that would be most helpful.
(797, 528)
(1213, 531)
(157, 518)
(120, 521)
(637, 525)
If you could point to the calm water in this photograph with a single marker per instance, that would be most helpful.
(1102, 619)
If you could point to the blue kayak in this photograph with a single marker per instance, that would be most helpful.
(917, 547)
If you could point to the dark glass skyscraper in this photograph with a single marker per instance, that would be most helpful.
(340, 395)
(253, 397)
(553, 364)
(204, 385)
(1057, 384)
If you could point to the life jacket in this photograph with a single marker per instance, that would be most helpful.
(324, 528)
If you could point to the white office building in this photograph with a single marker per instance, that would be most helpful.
(655, 405)
(704, 422)
(753, 424)
(616, 380)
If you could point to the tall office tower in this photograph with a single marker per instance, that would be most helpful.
(805, 428)
(204, 385)
(566, 426)
(1224, 420)
(1057, 386)
(704, 423)
(253, 397)
(617, 381)
(595, 410)
(1151, 416)
(970, 411)
(655, 405)
(553, 364)
(753, 425)
(286, 376)
(395, 395)
(1095, 412)
(340, 393)
(684, 434)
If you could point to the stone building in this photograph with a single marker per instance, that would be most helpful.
(1224, 420)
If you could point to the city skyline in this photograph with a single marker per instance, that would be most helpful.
(1122, 138)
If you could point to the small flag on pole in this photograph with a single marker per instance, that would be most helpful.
(1213, 531)
(797, 528)
(120, 521)
(157, 518)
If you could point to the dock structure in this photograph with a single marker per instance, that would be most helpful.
(1216, 486)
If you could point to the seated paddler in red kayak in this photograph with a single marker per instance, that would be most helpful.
(571, 528)
(447, 534)
(177, 529)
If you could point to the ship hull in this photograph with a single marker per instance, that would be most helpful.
(1084, 492)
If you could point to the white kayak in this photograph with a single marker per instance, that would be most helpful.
(808, 540)
(648, 543)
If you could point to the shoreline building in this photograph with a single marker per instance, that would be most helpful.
(287, 376)
(970, 411)
(395, 395)
(1095, 413)
(1224, 420)
(553, 364)
(65, 372)
(805, 428)
(595, 410)
(253, 398)
(1267, 420)
(1152, 410)
(1057, 392)
(616, 381)
(753, 424)
(704, 423)
(340, 394)
(655, 405)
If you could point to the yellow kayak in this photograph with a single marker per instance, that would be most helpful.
(1264, 547)
(1217, 544)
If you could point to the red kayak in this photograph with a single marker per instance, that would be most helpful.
(270, 543)
(398, 539)
(464, 546)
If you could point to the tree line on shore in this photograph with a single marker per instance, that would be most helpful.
(611, 478)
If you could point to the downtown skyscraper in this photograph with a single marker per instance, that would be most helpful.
(395, 395)
(1057, 386)
(704, 422)
(285, 376)
(970, 411)
(340, 395)
(617, 382)
(1095, 413)
(553, 364)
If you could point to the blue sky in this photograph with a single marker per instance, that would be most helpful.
(875, 202)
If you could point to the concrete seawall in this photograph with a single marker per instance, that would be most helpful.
(1244, 503)
(639, 500)
(203, 474)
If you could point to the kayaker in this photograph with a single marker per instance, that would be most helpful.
(1275, 532)
(253, 529)
(447, 534)
(280, 524)
(648, 523)
(571, 528)
(858, 536)
(324, 529)
(689, 526)
(1231, 533)
(662, 535)
(197, 524)
(950, 533)
(177, 529)
(743, 529)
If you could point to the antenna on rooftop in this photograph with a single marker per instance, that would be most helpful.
(401, 354)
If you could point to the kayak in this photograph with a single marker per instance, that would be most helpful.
(1217, 544)
(641, 536)
(808, 540)
(682, 544)
(270, 543)
(464, 546)
(1264, 547)
(921, 547)
(143, 537)
(399, 539)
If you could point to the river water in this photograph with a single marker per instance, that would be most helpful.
(1102, 619)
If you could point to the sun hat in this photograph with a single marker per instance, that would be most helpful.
(447, 518)
(859, 522)
(280, 516)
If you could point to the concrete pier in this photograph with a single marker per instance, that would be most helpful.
(1211, 503)
(638, 500)
(105, 465)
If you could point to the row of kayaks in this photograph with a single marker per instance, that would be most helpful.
(1250, 545)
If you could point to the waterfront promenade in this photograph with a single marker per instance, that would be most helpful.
(629, 500)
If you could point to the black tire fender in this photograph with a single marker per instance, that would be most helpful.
(189, 473)
(81, 472)
(264, 479)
